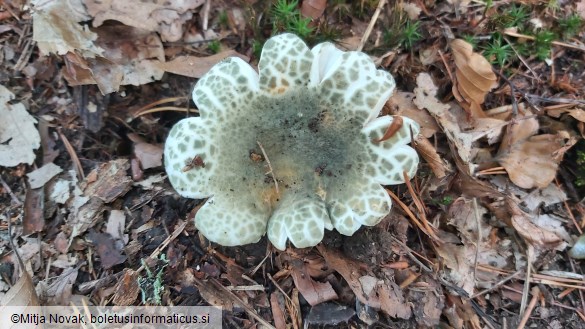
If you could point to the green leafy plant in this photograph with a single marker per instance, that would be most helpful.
(257, 48)
(497, 51)
(223, 19)
(514, 16)
(286, 17)
(518, 15)
(570, 25)
(542, 43)
(410, 34)
(214, 46)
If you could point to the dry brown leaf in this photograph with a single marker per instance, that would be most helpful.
(165, 17)
(424, 147)
(401, 103)
(430, 302)
(131, 57)
(447, 117)
(313, 8)
(60, 289)
(196, 67)
(534, 234)
(18, 135)
(106, 248)
(518, 131)
(149, 155)
(581, 9)
(459, 260)
(56, 28)
(411, 9)
(531, 163)
(21, 299)
(392, 301)
(23, 294)
(370, 291)
(474, 75)
(547, 197)
(462, 214)
(313, 291)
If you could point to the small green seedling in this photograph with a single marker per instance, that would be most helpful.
(214, 46)
(497, 51)
(410, 34)
(286, 17)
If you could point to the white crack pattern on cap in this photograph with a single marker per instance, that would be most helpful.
(290, 151)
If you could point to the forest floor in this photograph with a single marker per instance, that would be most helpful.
(481, 237)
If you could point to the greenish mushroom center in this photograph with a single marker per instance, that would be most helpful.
(293, 138)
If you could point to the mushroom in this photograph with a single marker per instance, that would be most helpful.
(292, 150)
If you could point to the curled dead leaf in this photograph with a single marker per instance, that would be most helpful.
(313, 291)
(474, 75)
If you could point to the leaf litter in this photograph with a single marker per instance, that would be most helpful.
(499, 187)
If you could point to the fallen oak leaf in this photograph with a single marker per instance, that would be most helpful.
(106, 248)
(164, 17)
(531, 232)
(314, 292)
(531, 163)
(18, 135)
(196, 67)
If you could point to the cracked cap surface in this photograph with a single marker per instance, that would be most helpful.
(306, 121)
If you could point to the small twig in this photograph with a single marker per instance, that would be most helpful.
(409, 252)
(580, 291)
(446, 67)
(165, 243)
(512, 91)
(479, 237)
(165, 108)
(392, 129)
(371, 25)
(73, 155)
(535, 295)
(252, 312)
(527, 281)
(569, 210)
(258, 266)
(271, 172)
(205, 22)
(556, 43)
(522, 59)
(13, 246)
(557, 100)
(492, 171)
(498, 284)
(418, 203)
(278, 287)
(15, 200)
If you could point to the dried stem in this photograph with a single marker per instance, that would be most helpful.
(371, 25)
(271, 172)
